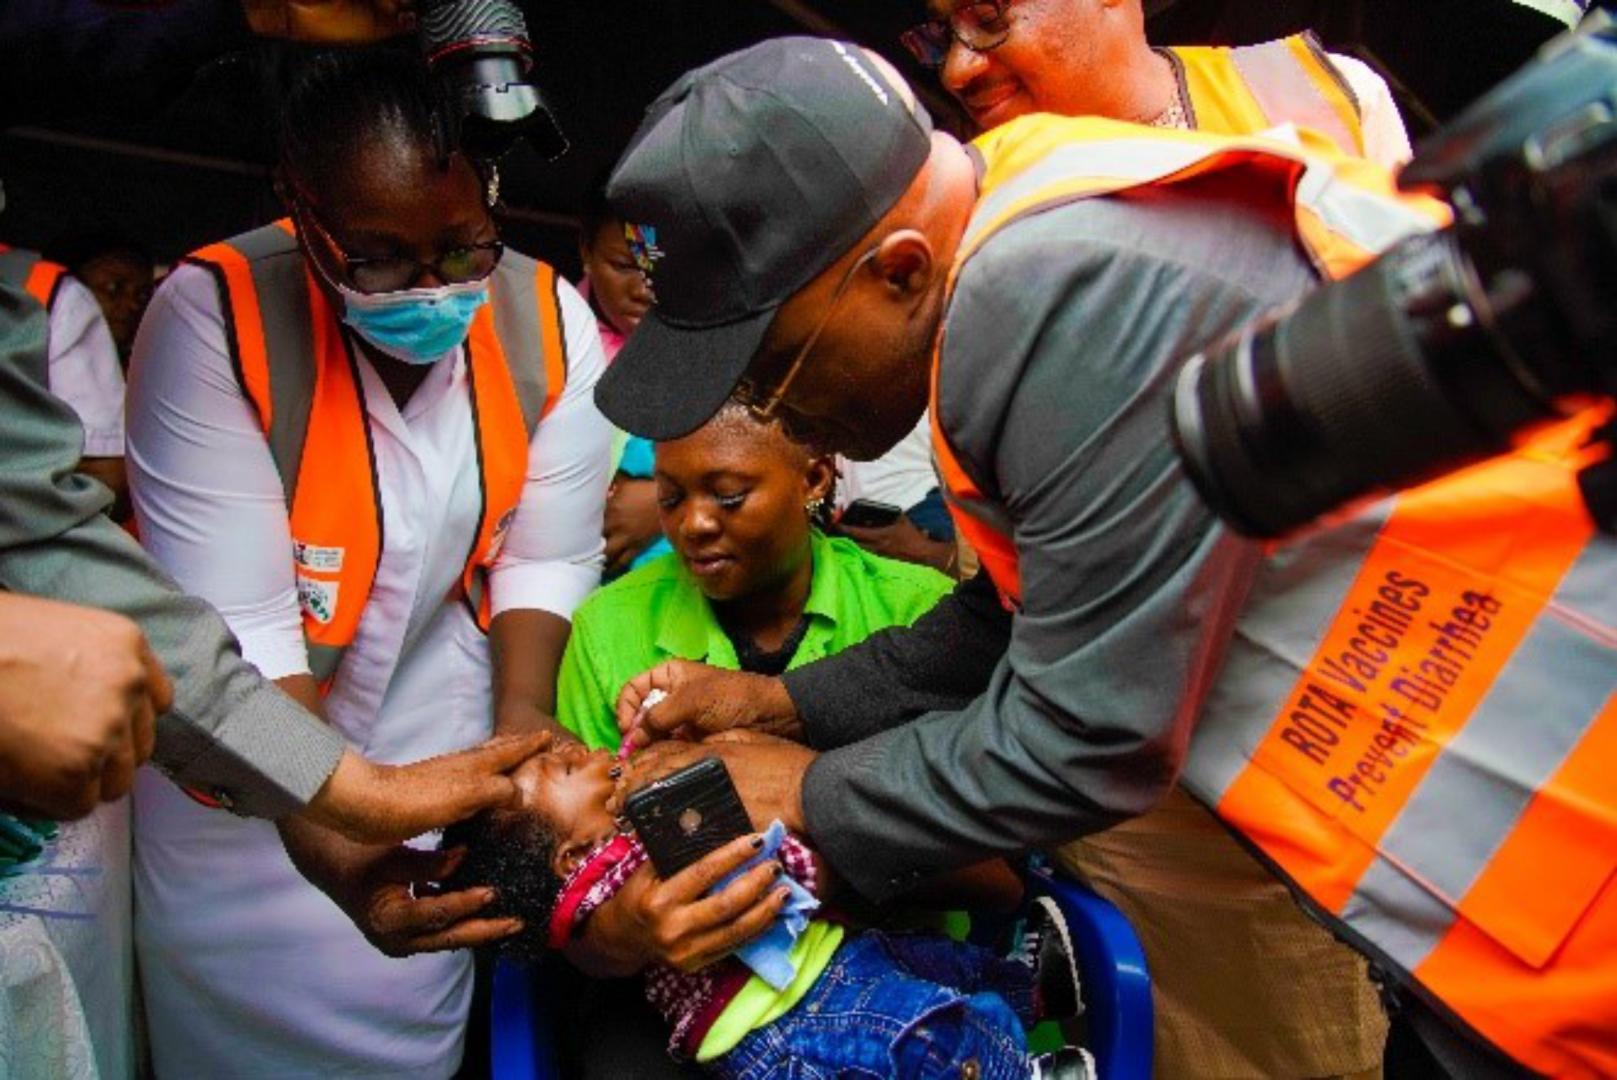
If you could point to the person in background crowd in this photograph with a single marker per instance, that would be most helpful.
(120, 273)
(416, 592)
(616, 288)
(83, 368)
(1008, 58)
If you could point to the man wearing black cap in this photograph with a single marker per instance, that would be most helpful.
(811, 240)
(799, 218)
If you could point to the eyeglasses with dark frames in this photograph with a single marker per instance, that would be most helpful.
(980, 27)
(473, 262)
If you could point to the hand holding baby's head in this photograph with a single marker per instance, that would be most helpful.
(570, 799)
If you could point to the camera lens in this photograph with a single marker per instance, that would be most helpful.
(1375, 382)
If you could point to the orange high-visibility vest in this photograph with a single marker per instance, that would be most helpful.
(1346, 211)
(1244, 90)
(296, 365)
(1416, 718)
(39, 278)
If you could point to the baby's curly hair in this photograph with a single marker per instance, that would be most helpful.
(511, 852)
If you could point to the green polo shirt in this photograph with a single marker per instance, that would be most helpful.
(658, 612)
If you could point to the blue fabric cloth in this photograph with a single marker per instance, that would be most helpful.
(912, 1005)
(769, 954)
(931, 516)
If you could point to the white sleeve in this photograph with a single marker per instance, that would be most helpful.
(206, 491)
(902, 477)
(84, 368)
(553, 552)
(1385, 141)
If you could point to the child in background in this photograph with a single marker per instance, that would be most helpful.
(904, 1005)
(619, 295)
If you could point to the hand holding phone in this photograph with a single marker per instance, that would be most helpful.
(870, 514)
(687, 814)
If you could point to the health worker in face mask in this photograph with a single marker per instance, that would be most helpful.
(365, 434)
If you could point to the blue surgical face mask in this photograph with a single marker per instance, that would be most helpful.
(417, 326)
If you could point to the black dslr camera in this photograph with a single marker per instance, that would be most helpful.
(1436, 354)
(481, 59)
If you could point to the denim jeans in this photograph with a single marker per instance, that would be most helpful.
(912, 1006)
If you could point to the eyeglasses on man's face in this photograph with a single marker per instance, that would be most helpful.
(765, 407)
(978, 26)
(394, 273)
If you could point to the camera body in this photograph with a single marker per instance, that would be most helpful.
(481, 59)
(1445, 348)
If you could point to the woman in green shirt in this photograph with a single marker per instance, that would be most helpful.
(751, 583)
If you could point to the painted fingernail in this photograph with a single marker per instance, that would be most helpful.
(776, 870)
(781, 895)
(757, 842)
(615, 772)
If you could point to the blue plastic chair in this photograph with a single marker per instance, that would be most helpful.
(1116, 982)
(522, 1037)
(1111, 965)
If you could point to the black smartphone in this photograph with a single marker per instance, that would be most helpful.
(687, 814)
(870, 514)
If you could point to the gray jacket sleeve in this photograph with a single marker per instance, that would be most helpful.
(1059, 347)
(231, 732)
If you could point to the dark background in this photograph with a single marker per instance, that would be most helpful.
(176, 155)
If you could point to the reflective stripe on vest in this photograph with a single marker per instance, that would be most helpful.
(1346, 211)
(1416, 723)
(39, 278)
(297, 367)
(1247, 89)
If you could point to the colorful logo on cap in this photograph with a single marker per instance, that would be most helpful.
(643, 246)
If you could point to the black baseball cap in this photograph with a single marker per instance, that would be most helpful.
(746, 180)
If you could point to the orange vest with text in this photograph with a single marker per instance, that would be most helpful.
(297, 367)
(1416, 718)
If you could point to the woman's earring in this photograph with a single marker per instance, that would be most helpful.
(493, 190)
(814, 506)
